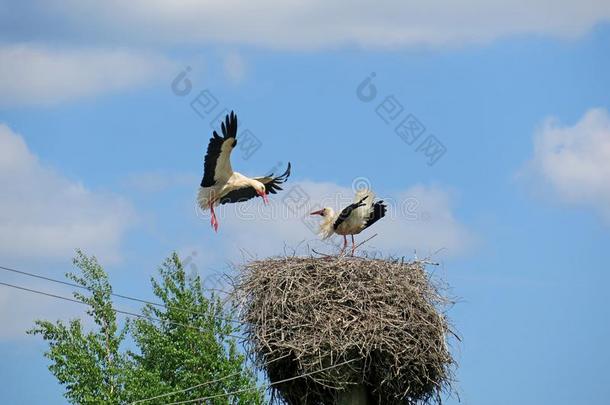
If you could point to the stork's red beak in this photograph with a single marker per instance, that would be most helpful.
(264, 196)
(319, 212)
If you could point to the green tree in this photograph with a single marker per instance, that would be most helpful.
(189, 343)
(88, 364)
(186, 344)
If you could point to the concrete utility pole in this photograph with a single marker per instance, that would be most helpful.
(357, 395)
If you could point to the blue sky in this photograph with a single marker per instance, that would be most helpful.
(97, 152)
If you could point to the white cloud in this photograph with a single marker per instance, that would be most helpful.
(419, 218)
(425, 221)
(44, 215)
(34, 75)
(304, 23)
(234, 67)
(575, 160)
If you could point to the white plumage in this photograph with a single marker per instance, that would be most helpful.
(353, 219)
(220, 184)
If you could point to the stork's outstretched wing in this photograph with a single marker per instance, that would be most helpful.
(217, 162)
(347, 211)
(377, 211)
(272, 185)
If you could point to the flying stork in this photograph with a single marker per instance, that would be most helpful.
(353, 219)
(220, 184)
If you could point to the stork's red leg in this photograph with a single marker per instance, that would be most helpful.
(212, 214)
(213, 219)
(353, 245)
(344, 245)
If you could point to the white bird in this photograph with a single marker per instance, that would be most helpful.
(220, 184)
(353, 219)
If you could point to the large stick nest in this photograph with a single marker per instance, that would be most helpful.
(386, 317)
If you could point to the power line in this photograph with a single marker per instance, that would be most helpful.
(127, 297)
(201, 384)
(141, 316)
(119, 311)
(188, 389)
(241, 391)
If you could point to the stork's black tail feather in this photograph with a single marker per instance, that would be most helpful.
(378, 212)
(274, 185)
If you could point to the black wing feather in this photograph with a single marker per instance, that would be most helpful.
(247, 193)
(347, 211)
(379, 210)
(229, 132)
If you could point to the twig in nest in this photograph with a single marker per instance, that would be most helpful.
(322, 254)
(344, 252)
(363, 242)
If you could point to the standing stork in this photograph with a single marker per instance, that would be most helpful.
(220, 184)
(353, 219)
